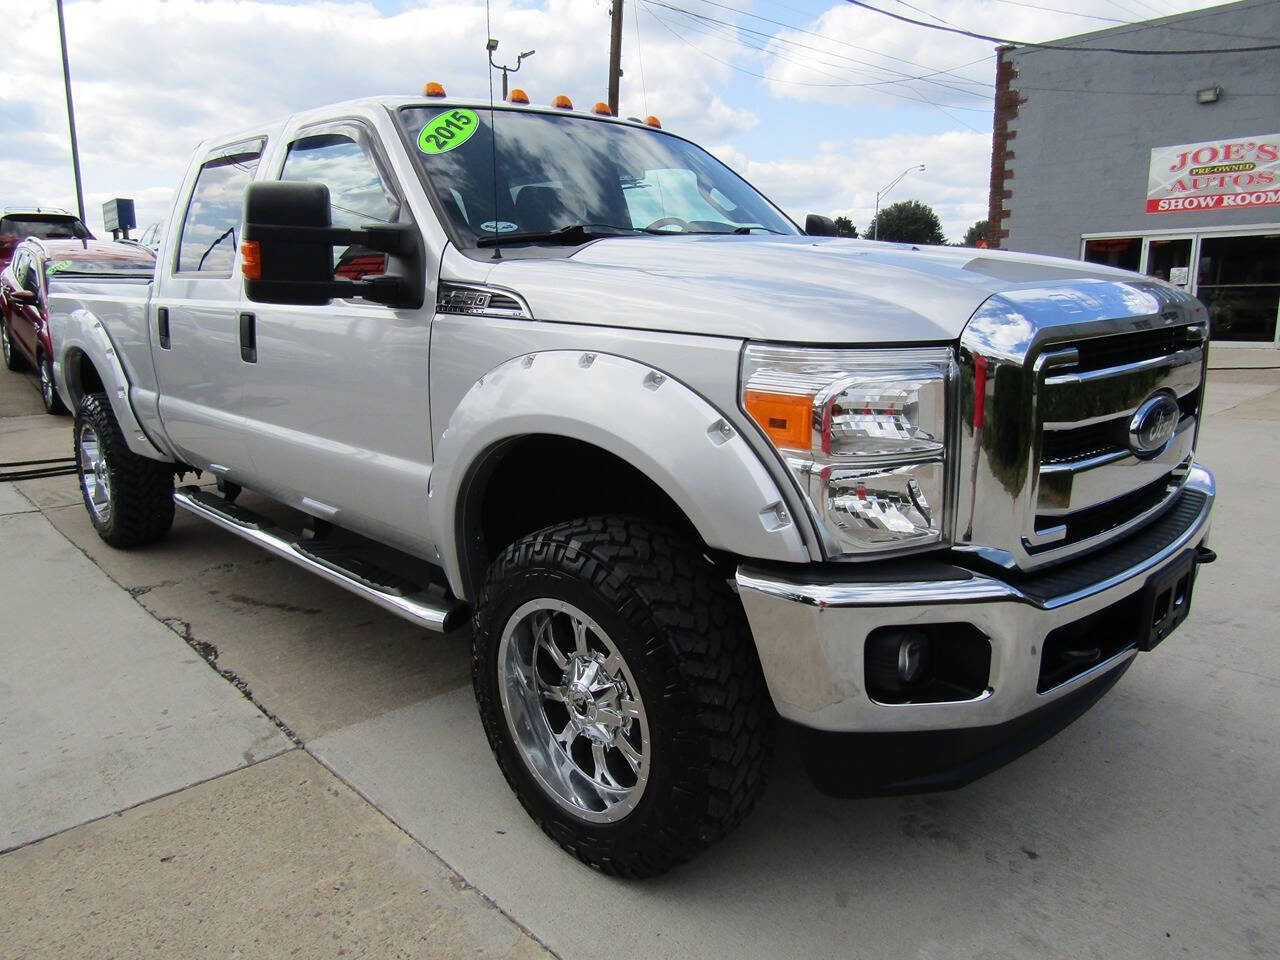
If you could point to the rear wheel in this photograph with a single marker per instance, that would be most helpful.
(129, 498)
(620, 692)
(12, 360)
(48, 391)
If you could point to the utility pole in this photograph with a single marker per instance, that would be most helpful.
(71, 113)
(615, 55)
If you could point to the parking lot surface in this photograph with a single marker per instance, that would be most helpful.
(203, 748)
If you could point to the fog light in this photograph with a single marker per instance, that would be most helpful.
(897, 659)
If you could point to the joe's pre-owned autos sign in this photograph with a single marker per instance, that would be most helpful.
(1215, 175)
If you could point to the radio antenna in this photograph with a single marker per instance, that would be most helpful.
(491, 46)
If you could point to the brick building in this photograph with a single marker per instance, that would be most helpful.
(1163, 164)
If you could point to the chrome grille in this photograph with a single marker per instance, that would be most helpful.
(1053, 471)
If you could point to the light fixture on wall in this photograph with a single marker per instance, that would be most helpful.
(1209, 95)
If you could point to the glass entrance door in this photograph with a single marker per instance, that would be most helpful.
(1169, 258)
(1238, 279)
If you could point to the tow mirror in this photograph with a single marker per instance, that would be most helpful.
(287, 250)
(816, 225)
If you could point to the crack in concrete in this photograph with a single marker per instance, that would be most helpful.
(209, 653)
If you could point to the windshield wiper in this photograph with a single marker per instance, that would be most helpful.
(573, 234)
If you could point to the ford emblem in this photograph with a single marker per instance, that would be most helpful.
(1153, 425)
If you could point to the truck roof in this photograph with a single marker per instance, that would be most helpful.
(394, 102)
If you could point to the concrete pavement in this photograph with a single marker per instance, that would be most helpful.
(1150, 828)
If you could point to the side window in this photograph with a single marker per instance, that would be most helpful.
(211, 228)
(25, 271)
(358, 194)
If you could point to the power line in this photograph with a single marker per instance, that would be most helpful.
(880, 81)
(1058, 46)
(854, 46)
(805, 62)
(920, 98)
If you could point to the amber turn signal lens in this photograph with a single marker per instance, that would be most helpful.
(602, 108)
(433, 89)
(562, 102)
(786, 418)
(518, 96)
(251, 260)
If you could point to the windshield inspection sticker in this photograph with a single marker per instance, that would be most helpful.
(501, 226)
(447, 131)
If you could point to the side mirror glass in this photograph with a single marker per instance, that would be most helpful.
(816, 225)
(287, 250)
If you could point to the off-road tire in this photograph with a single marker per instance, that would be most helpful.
(685, 638)
(141, 490)
(53, 404)
(12, 357)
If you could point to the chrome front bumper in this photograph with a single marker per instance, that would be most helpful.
(811, 636)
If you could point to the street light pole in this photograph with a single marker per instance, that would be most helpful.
(491, 47)
(875, 220)
(71, 113)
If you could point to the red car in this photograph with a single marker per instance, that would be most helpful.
(26, 327)
(47, 223)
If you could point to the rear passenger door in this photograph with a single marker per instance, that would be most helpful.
(195, 316)
(338, 396)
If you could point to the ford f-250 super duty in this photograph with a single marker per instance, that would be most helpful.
(687, 468)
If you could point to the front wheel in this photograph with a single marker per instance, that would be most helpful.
(620, 692)
(129, 498)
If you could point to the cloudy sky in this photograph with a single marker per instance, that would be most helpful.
(818, 103)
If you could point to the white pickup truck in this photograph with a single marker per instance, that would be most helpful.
(687, 468)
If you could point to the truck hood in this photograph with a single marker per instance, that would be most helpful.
(796, 289)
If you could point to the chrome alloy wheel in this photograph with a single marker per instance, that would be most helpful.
(94, 479)
(574, 710)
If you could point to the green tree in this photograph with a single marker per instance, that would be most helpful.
(845, 227)
(975, 233)
(908, 221)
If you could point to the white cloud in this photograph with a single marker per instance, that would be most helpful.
(842, 177)
(152, 79)
(859, 56)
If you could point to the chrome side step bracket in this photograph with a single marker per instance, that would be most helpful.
(430, 607)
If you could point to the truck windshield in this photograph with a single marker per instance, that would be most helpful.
(569, 179)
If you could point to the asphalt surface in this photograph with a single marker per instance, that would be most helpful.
(206, 750)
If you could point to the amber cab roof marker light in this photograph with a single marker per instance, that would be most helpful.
(653, 121)
(433, 89)
(602, 108)
(562, 103)
(518, 96)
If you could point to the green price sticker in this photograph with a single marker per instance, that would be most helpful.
(59, 265)
(447, 131)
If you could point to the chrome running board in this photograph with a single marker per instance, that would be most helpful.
(430, 607)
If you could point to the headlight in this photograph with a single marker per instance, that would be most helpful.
(864, 431)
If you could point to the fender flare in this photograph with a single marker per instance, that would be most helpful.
(83, 333)
(657, 424)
